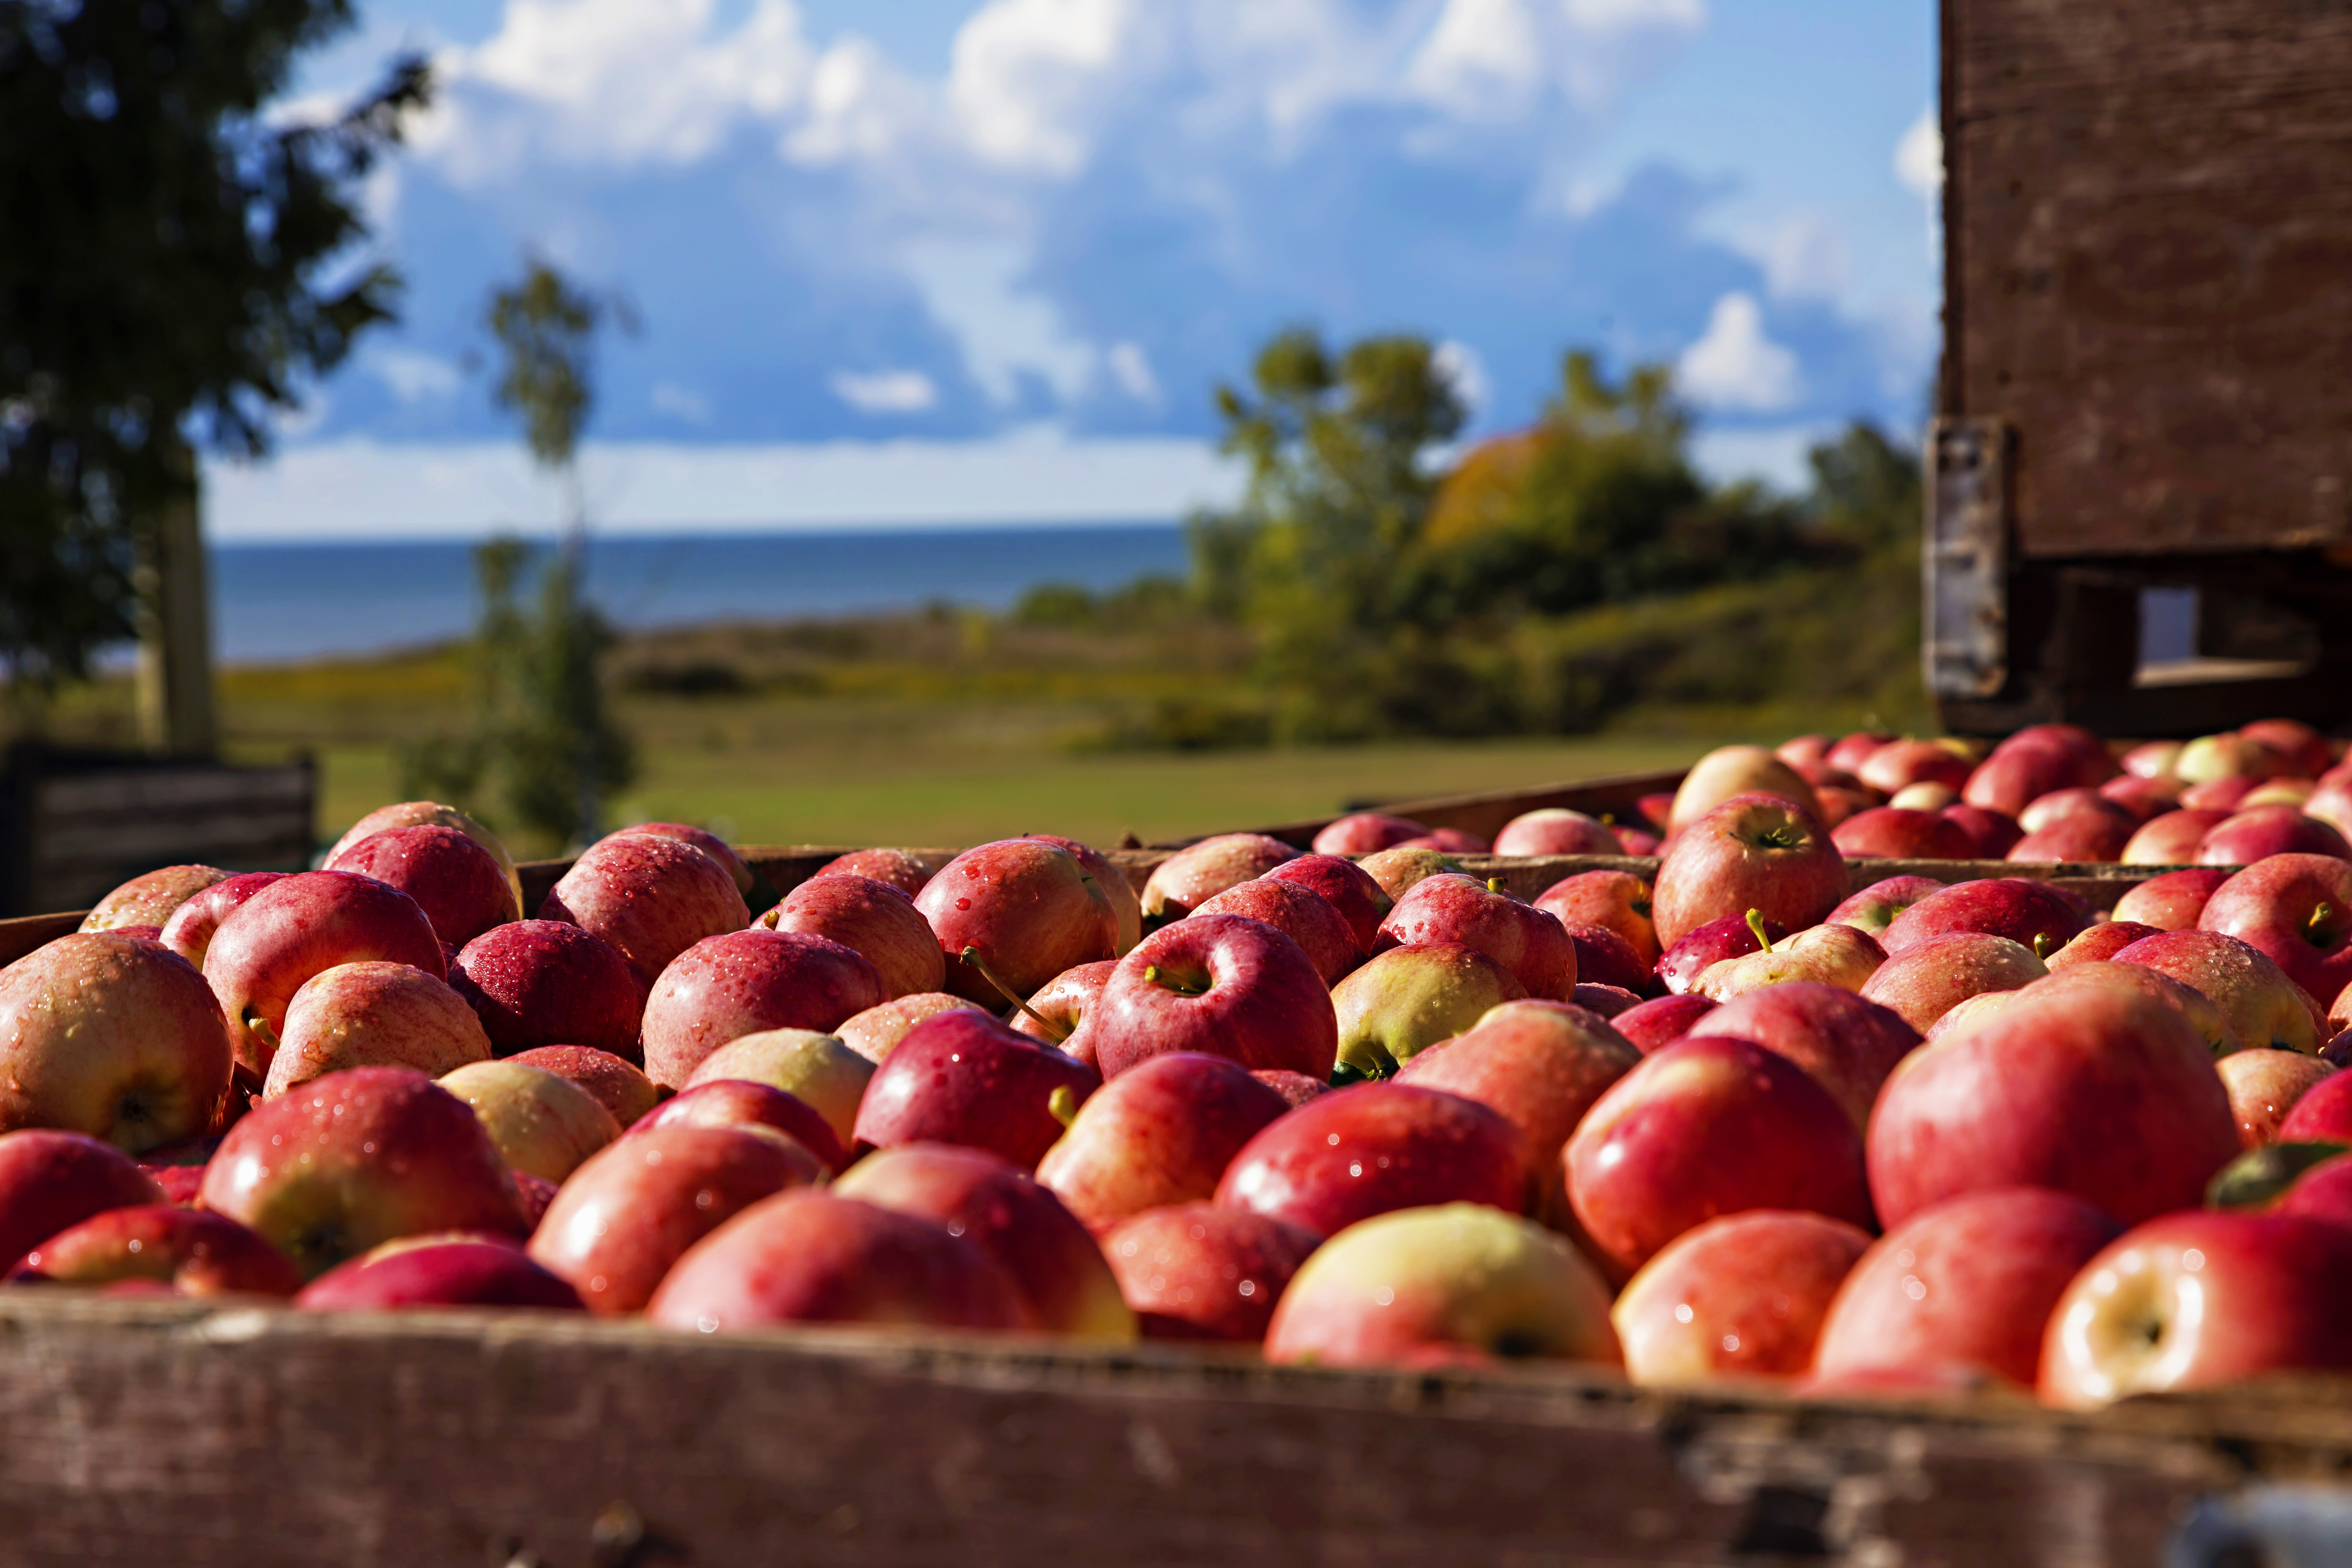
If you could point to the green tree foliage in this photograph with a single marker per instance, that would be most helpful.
(173, 266)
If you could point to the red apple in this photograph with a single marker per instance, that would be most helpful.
(2323, 1115)
(1750, 853)
(902, 869)
(1455, 1283)
(1125, 903)
(462, 890)
(809, 1257)
(2012, 907)
(1661, 1020)
(1891, 832)
(2171, 838)
(189, 1251)
(2098, 943)
(633, 1209)
(1897, 763)
(1303, 915)
(2014, 776)
(1556, 831)
(1873, 908)
(739, 1102)
(1928, 979)
(106, 1034)
(875, 1033)
(2172, 901)
(2228, 755)
(1830, 954)
(1362, 902)
(2298, 909)
(1729, 771)
(1193, 876)
(1604, 959)
(1366, 833)
(818, 1070)
(152, 898)
(1613, 900)
(1701, 949)
(617, 1083)
(357, 1159)
(2219, 794)
(1448, 841)
(1848, 1044)
(1850, 751)
(1396, 871)
(1356, 1152)
(1162, 1132)
(1705, 1127)
(1742, 1296)
(1639, 841)
(1196, 1271)
(291, 930)
(453, 1271)
(374, 1014)
(870, 918)
(2264, 1086)
(2265, 830)
(2197, 1299)
(1966, 1283)
(2078, 800)
(1603, 1000)
(1993, 833)
(1296, 1087)
(51, 1180)
(189, 930)
(2144, 798)
(650, 898)
(549, 982)
(709, 843)
(2305, 749)
(1068, 1287)
(1223, 984)
(543, 1125)
(1024, 909)
(1066, 1003)
(2086, 836)
(2096, 1090)
(420, 813)
(2263, 1007)
(745, 981)
(1801, 751)
(2153, 759)
(963, 1078)
(1408, 998)
(1528, 942)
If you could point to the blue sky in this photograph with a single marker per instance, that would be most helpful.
(916, 261)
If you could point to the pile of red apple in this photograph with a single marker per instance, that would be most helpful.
(1350, 1105)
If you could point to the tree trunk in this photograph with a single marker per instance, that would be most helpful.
(176, 711)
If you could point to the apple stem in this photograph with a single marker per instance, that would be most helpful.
(2321, 915)
(2043, 945)
(1493, 884)
(1755, 924)
(971, 955)
(1063, 1104)
(258, 1027)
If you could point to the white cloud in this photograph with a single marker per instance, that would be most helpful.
(973, 288)
(1459, 363)
(1735, 365)
(885, 391)
(1026, 73)
(413, 377)
(670, 398)
(1492, 59)
(859, 107)
(1803, 255)
(1919, 156)
(1131, 368)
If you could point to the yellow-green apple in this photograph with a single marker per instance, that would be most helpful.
(2153, 759)
(2144, 798)
(903, 869)
(1966, 1283)
(1829, 955)
(1162, 1132)
(2265, 1008)
(1196, 1271)
(1219, 983)
(635, 1206)
(1873, 908)
(2263, 1086)
(739, 1102)
(2099, 1090)
(1994, 833)
(1539, 1065)
(1449, 841)
(1057, 1015)
(2298, 909)
(1699, 950)
(189, 930)
(2015, 776)
(2228, 755)
(358, 1159)
(1752, 852)
(1850, 751)
(373, 1015)
(1366, 833)
(1925, 796)
(1703, 1127)
(421, 813)
(188, 1251)
(2279, 791)
(650, 898)
(2198, 1300)
(1605, 960)
(1451, 1283)
(1729, 771)
(1408, 998)
(2248, 835)
(2098, 943)
(1613, 900)
(542, 1125)
(963, 1078)
(1449, 908)
(1019, 1223)
(1928, 979)
(2012, 907)
(151, 898)
(1194, 875)
(1302, 914)
(1899, 765)
(549, 982)
(2172, 901)
(810, 1258)
(745, 981)
(875, 1033)
(1396, 871)
(819, 1070)
(871, 918)
(618, 1084)
(1363, 902)
(709, 843)
(1024, 909)
(1848, 1044)
(106, 1034)
(446, 1272)
(1893, 833)
(1125, 903)
(52, 1179)
(1661, 1020)
(1555, 830)
(272, 946)
(462, 890)
(1355, 1153)
(1742, 1296)
(2306, 750)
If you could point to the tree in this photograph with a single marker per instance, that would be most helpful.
(172, 269)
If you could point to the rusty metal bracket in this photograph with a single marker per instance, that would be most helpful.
(1966, 562)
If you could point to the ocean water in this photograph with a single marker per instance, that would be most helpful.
(283, 602)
